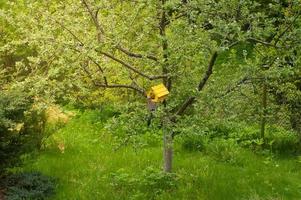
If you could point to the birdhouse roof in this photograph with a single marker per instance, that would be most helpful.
(160, 90)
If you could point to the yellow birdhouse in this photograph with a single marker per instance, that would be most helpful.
(158, 93)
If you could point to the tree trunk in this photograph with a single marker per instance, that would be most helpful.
(295, 108)
(167, 151)
(167, 134)
(264, 109)
(295, 117)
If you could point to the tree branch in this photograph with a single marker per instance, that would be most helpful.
(121, 86)
(208, 72)
(165, 46)
(261, 42)
(150, 77)
(130, 67)
(238, 84)
(190, 100)
(100, 68)
(136, 55)
(106, 85)
(70, 32)
(287, 28)
(94, 17)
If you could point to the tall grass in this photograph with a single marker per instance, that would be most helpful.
(85, 167)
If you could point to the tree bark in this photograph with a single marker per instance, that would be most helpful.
(264, 109)
(162, 26)
(295, 117)
(167, 137)
(167, 151)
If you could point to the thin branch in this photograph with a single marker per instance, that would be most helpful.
(233, 44)
(168, 21)
(246, 80)
(94, 61)
(96, 14)
(122, 86)
(100, 68)
(136, 55)
(150, 77)
(237, 85)
(106, 85)
(261, 42)
(190, 100)
(208, 72)
(70, 32)
(287, 28)
(134, 82)
(179, 16)
(94, 17)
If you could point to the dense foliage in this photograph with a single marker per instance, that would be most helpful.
(28, 186)
(232, 69)
(13, 106)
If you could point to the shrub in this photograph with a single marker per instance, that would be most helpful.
(224, 150)
(247, 136)
(279, 140)
(130, 127)
(194, 142)
(196, 137)
(122, 180)
(156, 181)
(21, 126)
(203, 135)
(29, 185)
(13, 105)
(147, 185)
(220, 129)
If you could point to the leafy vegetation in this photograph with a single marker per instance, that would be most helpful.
(28, 186)
(77, 97)
(277, 140)
(13, 131)
(90, 167)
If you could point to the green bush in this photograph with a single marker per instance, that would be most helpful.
(12, 107)
(195, 137)
(279, 140)
(147, 185)
(21, 126)
(156, 181)
(130, 127)
(194, 142)
(224, 150)
(29, 185)
(13, 104)
(220, 129)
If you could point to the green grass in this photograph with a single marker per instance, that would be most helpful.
(83, 170)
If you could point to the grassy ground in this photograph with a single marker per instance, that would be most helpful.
(89, 168)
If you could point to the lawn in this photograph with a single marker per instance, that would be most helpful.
(88, 166)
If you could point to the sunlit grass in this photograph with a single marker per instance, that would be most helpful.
(89, 158)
